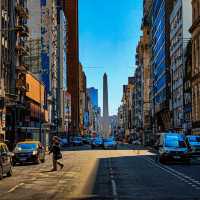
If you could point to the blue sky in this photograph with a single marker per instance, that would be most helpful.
(109, 31)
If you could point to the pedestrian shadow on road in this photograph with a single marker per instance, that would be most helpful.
(46, 171)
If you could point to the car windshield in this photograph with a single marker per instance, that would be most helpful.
(77, 139)
(98, 139)
(108, 140)
(173, 141)
(26, 146)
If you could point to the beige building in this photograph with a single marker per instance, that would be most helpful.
(82, 96)
(142, 74)
(195, 30)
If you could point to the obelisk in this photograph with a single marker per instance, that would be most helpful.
(105, 106)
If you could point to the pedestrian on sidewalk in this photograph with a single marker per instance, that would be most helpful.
(57, 155)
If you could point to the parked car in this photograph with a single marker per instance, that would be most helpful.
(63, 141)
(29, 151)
(87, 140)
(109, 143)
(193, 142)
(136, 142)
(172, 147)
(97, 142)
(77, 141)
(5, 161)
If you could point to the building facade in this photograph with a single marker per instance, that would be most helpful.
(195, 31)
(22, 33)
(146, 57)
(138, 101)
(188, 89)
(4, 63)
(71, 13)
(161, 11)
(44, 42)
(62, 69)
(93, 94)
(180, 21)
(35, 113)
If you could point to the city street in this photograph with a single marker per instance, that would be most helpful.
(104, 174)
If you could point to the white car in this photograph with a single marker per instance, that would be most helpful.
(97, 142)
(136, 142)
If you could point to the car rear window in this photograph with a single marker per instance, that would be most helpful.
(108, 140)
(174, 141)
(194, 138)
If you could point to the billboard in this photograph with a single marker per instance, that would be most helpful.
(36, 90)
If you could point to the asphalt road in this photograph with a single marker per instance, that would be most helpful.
(127, 173)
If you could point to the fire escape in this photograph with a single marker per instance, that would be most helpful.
(21, 51)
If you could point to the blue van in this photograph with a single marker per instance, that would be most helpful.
(172, 147)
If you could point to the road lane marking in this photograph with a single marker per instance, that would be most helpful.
(113, 183)
(114, 188)
(15, 187)
(180, 176)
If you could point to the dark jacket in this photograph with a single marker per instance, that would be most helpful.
(55, 149)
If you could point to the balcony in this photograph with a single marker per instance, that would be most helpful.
(22, 30)
(21, 50)
(195, 24)
(22, 11)
(22, 68)
(20, 85)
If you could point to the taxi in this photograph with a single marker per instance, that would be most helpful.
(29, 152)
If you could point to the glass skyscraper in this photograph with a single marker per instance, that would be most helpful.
(161, 61)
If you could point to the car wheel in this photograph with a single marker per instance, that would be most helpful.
(42, 161)
(161, 160)
(10, 172)
(188, 162)
(1, 173)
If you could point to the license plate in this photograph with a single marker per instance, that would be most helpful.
(176, 157)
(22, 159)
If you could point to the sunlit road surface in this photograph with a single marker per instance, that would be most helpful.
(104, 174)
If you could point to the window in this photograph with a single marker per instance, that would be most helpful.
(1, 149)
(194, 14)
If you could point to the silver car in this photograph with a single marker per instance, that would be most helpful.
(193, 142)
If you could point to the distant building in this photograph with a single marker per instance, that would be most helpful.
(82, 97)
(93, 94)
(33, 60)
(43, 42)
(62, 69)
(137, 95)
